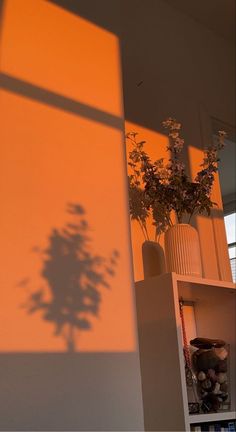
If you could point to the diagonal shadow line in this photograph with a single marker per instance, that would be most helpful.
(101, 13)
(31, 91)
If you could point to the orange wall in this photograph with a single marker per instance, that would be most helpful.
(50, 158)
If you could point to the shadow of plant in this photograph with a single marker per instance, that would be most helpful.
(74, 277)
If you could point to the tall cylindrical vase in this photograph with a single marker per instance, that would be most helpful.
(182, 250)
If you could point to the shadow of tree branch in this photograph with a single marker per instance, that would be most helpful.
(75, 278)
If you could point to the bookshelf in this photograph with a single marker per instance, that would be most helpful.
(161, 348)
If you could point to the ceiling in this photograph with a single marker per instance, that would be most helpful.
(216, 15)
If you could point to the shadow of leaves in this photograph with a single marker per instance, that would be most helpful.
(75, 278)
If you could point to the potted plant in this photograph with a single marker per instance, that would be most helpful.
(166, 192)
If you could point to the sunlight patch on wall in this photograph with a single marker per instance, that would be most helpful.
(204, 222)
(66, 279)
(44, 169)
(56, 50)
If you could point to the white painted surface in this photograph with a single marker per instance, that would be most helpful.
(161, 363)
(161, 348)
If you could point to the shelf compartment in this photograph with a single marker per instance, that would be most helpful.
(161, 348)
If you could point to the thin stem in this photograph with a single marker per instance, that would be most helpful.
(191, 215)
(169, 221)
(145, 228)
(179, 217)
(155, 238)
(194, 209)
(142, 228)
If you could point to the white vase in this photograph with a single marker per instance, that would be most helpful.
(182, 250)
(153, 259)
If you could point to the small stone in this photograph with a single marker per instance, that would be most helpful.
(211, 374)
(206, 360)
(201, 376)
(206, 384)
(224, 396)
(222, 353)
(216, 388)
(221, 366)
(221, 377)
(211, 403)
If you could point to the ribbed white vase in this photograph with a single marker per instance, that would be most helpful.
(182, 250)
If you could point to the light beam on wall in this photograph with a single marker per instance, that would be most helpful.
(51, 158)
